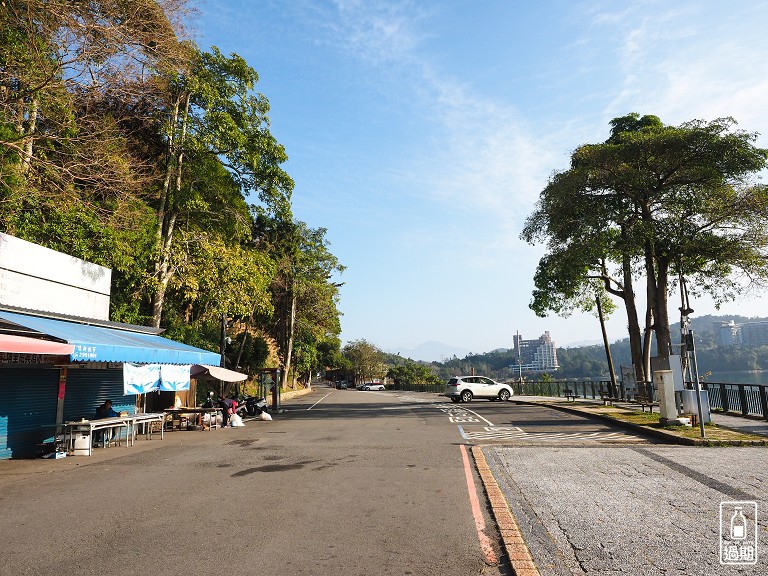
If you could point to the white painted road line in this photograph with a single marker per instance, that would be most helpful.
(321, 399)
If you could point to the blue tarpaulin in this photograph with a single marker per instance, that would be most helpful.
(102, 344)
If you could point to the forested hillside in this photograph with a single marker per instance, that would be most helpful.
(125, 144)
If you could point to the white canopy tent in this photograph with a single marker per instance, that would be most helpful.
(206, 372)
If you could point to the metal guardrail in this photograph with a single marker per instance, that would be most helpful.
(737, 399)
(740, 399)
(406, 387)
(579, 388)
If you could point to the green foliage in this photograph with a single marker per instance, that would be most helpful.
(413, 373)
(303, 291)
(227, 120)
(366, 360)
(653, 203)
(125, 147)
(221, 277)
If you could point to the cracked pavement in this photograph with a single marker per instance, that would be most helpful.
(650, 510)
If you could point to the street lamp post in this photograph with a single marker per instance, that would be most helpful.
(690, 347)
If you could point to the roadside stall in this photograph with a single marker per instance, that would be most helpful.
(105, 361)
(188, 414)
(61, 357)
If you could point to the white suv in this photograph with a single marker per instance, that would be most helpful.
(464, 388)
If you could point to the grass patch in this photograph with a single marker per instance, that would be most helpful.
(714, 434)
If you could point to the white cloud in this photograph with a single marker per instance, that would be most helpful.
(378, 32)
(484, 161)
(694, 63)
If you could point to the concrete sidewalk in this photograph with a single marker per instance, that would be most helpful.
(645, 510)
(642, 510)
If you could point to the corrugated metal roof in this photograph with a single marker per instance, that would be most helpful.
(82, 320)
(102, 344)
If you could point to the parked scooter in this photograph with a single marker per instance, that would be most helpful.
(250, 406)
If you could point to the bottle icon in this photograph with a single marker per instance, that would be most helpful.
(738, 525)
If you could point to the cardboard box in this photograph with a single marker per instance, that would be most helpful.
(55, 455)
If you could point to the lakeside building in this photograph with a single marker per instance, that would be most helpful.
(746, 335)
(539, 355)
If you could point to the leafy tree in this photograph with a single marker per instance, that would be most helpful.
(413, 373)
(213, 117)
(53, 52)
(304, 295)
(123, 145)
(667, 200)
(70, 177)
(367, 360)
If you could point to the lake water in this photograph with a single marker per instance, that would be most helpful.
(760, 377)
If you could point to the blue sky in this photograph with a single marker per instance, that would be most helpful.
(420, 134)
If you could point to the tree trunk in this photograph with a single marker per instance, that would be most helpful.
(170, 164)
(26, 161)
(648, 342)
(167, 211)
(633, 324)
(614, 390)
(289, 351)
(163, 272)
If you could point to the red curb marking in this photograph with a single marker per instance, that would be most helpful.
(485, 542)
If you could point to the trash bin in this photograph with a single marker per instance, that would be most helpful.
(690, 406)
(81, 440)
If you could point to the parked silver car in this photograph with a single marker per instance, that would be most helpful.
(373, 386)
(464, 388)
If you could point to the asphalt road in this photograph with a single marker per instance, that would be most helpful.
(344, 482)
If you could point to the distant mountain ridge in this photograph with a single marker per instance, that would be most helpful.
(705, 327)
(430, 352)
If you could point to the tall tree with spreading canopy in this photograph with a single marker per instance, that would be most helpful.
(367, 360)
(124, 144)
(658, 201)
(304, 294)
(73, 79)
(213, 117)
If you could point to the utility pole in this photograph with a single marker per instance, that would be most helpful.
(614, 390)
(689, 348)
(223, 349)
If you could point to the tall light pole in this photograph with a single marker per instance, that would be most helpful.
(690, 347)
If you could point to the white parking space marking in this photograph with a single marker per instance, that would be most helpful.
(416, 399)
(514, 433)
(470, 427)
(461, 415)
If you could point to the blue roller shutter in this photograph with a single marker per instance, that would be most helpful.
(28, 397)
(87, 389)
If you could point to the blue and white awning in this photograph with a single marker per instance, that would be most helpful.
(117, 343)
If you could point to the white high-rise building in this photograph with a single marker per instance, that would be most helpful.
(538, 355)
